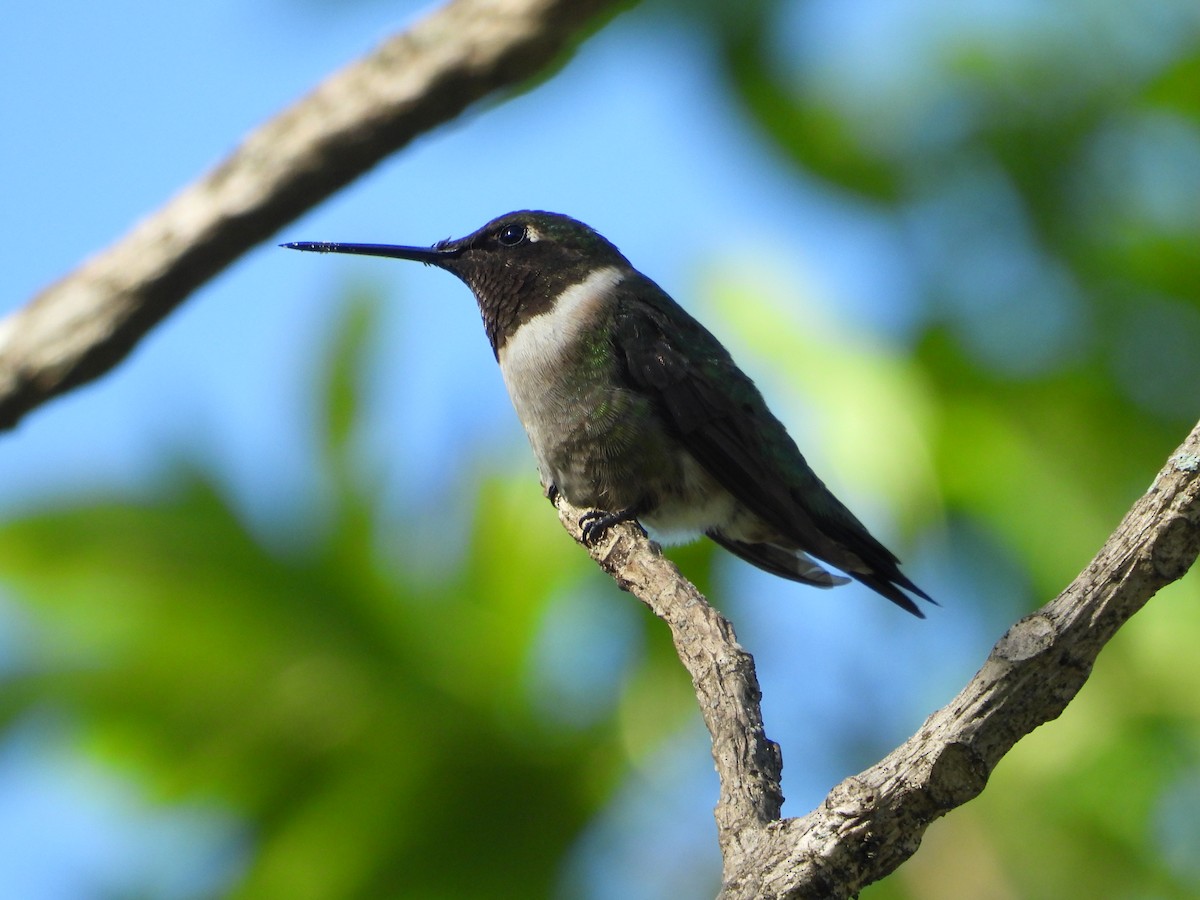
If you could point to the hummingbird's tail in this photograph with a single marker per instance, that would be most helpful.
(889, 586)
(794, 565)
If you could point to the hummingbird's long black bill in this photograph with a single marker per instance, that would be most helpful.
(429, 255)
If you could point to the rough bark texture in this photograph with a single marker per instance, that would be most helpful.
(81, 326)
(749, 765)
(870, 823)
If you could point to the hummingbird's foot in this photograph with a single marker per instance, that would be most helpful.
(596, 522)
(552, 494)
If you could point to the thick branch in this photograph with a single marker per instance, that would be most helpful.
(872, 822)
(81, 326)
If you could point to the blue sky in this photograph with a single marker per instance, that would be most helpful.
(111, 108)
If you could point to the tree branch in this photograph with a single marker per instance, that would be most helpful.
(870, 823)
(748, 763)
(84, 324)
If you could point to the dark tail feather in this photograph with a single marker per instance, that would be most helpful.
(795, 565)
(790, 564)
(889, 586)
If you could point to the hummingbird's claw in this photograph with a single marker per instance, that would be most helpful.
(596, 522)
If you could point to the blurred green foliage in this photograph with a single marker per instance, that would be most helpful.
(378, 722)
(319, 695)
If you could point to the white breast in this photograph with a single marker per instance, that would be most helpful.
(543, 338)
(533, 359)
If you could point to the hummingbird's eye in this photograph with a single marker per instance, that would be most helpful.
(511, 235)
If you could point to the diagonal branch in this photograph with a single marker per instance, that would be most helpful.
(84, 324)
(870, 823)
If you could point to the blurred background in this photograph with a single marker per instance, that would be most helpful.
(283, 612)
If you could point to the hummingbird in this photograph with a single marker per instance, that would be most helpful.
(635, 411)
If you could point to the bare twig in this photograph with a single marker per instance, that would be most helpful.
(81, 326)
(872, 822)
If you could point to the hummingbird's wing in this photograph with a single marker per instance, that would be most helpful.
(722, 420)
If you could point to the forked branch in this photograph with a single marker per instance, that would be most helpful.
(870, 823)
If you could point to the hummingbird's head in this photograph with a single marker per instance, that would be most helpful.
(517, 265)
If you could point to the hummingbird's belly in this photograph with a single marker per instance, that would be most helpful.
(602, 446)
(604, 449)
(617, 456)
(694, 504)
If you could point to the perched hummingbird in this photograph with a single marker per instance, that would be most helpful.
(636, 411)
